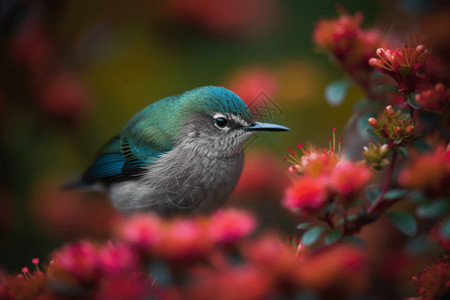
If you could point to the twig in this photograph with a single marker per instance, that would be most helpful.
(377, 203)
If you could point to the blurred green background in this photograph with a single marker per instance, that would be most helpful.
(73, 72)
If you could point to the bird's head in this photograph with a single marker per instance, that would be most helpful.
(218, 122)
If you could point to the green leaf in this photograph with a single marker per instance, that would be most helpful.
(333, 236)
(349, 219)
(395, 194)
(372, 195)
(433, 209)
(405, 222)
(445, 229)
(388, 88)
(312, 235)
(403, 152)
(336, 91)
(304, 225)
(411, 98)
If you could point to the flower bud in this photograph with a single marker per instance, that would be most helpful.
(410, 129)
(397, 130)
(373, 122)
(439, 87)
(376, 63)
(384, 149)
(389, 111)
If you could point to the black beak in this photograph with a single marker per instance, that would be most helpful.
(257, 126)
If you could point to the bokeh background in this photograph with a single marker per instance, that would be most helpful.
(73, 72)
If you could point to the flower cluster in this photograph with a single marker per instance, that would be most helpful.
(392, 126)
(323, 176)
(405, 65)
(435, 98)
(376, 155)
(430, 172)
(434, 281)
(189, 258)
(350, 45)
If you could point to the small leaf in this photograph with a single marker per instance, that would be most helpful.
(403, 152)
(304, 225)
(336, 91)
(333, 236)
(412, 101)
(312, 235)
(445, 229)
(433, 209)
(349, 219)
(404, 222)
(395, 194)
(388, 88)
(372, 195)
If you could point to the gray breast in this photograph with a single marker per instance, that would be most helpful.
(184, 180)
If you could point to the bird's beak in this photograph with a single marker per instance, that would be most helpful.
(257, 126)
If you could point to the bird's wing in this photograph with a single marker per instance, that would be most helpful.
(115, 162)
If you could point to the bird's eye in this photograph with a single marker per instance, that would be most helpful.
(221, 122)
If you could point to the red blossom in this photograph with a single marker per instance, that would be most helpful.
(75, 263)
(405, 65)
(142, 231)
(339, 270)
(435, 98)
(308, 194)
(117, 259)
(228, 283)
(348, 178)
(429, 172)
(184, 240)
(231, 225)
(434, 281)
(348, 43)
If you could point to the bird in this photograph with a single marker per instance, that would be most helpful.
(180, 155)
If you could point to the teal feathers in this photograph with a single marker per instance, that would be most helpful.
(153, 131)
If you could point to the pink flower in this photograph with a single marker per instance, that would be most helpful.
(435, 98)
(347, 42)
(77, 261)
(430, 172)
(227, 226)
(142, 230)
(308, 194)
(184, 240)
(405, 65)
(434, 281)
(117, 259)
(348, 178)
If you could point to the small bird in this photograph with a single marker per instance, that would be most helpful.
(181, 154)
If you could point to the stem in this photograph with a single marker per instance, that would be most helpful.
(327, 219)
(377, 203)
(344, 230)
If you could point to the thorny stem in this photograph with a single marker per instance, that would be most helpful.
(377, 204)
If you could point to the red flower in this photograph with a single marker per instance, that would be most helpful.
(405, 65)
(308, 194)
(348, 178)
(123, 288)
(231, 225)
(434, 98)
(348, 43)
(75, 263)
(431, 172)
(184, 240)
(339, 270)
(117, 259)
(142, 231)
(434, 281)
(228, 283)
